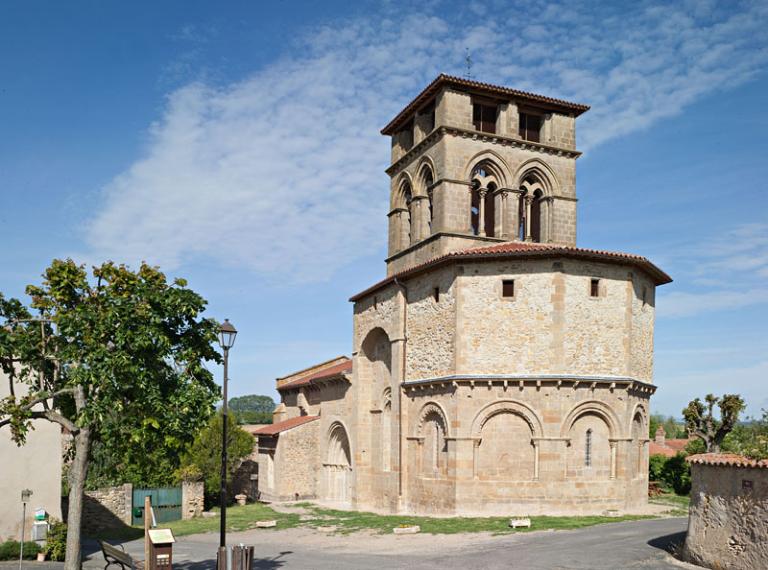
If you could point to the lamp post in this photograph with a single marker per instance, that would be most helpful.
(227, 334)
(25, 495)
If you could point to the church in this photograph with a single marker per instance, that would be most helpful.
(497, 369)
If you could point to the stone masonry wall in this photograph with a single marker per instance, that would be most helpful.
(297, 462)
(192, 499)
(109, 507)
(728, 520)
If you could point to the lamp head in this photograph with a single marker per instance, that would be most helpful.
(227, 334)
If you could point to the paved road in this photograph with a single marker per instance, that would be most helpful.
(639, 544)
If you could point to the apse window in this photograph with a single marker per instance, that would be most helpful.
(594, 288)
(484, 117)
(508, 288)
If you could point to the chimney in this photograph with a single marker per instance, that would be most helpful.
(660, 436)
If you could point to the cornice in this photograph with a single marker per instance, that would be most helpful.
(396, 167)
(536, 381)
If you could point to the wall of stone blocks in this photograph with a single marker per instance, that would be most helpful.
(297, 462)
(728, 514)
(107, 508)
(192, 499)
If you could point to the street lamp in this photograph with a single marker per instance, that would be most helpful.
(26, 494)
(227, 334)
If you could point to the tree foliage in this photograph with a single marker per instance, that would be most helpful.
(116, 357)
(252, 409)
(203, 458)
(700, 420)
(672, 428)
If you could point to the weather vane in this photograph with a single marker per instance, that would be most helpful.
(468, 59)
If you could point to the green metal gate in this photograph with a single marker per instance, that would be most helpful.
(166, 502)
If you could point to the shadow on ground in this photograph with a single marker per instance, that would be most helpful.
(258, 563)
(670, 543)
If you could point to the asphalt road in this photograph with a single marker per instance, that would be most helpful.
(639, 544)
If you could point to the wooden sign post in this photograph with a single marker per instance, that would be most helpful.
(147, 524)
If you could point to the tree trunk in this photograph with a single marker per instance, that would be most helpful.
(77, 473)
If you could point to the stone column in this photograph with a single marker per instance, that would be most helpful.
(503, 214)
(535, 460)
(614, 446)
(528, 203)
(481, 212)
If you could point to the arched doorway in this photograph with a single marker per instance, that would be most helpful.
(338, 466)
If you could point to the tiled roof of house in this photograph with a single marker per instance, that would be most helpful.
(274, 429)
(523, 249)
(727, 460)
(324, 373)
(430, 90)
(669, 448)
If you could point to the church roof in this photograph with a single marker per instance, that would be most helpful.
(274, 429)
(517, 249)
(326, 371)
(487, 88)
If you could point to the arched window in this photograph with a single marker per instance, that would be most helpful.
(408, 199)
(483, 203)
(531, 210)
(427, 181)
(435, 448)
(588, 448)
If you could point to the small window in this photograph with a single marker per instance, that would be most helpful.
(594, 288)
(508, 288)
(530, 127)
(645, 295)
(375, 302)
(484, 117)
(588, 448)
(436, 294)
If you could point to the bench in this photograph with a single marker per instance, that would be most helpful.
(114, 555)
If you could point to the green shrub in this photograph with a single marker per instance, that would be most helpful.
(677, 474)
(56, 543)
(9, 550)
(656, 467)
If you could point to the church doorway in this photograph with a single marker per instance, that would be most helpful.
(338, 466)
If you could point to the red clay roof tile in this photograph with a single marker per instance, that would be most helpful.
(443, 79)
(523, 249)
(726, 460)
(274, 429)
(323, 374)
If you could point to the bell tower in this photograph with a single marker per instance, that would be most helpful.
(475, 164)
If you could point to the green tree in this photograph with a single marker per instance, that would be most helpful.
(252, 403)
(203, 458)
(115, 357)
(700, 419)
(252, 409)
(749, 438)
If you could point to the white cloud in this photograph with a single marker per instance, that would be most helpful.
(289, 160)
(727, 272)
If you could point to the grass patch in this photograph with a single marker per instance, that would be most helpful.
(678, 503)
(345, 522)
(351, 521)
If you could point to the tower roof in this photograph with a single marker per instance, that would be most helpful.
(515, 249)
(443, 80)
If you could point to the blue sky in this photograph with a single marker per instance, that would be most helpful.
(236, 144)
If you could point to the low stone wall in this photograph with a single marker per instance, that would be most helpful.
(728, 520)
(107, 508)
(192, 499)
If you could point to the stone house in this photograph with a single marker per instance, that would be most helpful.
(35, 466)
(728, 518)
(497, 368)
(666, 447)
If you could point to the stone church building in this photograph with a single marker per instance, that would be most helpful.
(498, 368)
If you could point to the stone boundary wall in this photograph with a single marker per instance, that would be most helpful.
(192, 499)
(109, 507)
(728, 520)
